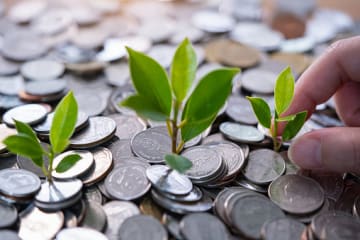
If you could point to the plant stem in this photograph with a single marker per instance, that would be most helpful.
(276, 143)
(175, 129)
(50, 167)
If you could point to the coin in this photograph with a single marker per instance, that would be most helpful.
(80, 167)
(241, 133)
(4, 133)
(46, 87)
(195, 195)
(29, 113)
(264, 166)
(172, 224)
(85, 15)
(127, 126)
(241, 181)
(78, 233)
(148, 207)
(151, 228)
(282, 229)
(100, 130)
(8, 67)
(152, 145)
(117, 74)
(95, 217)
(259, 81)
(239, 109)
(36, 224)
(163, 54)
(342, 227)
(298, 62)
(89, 38)
(8, 215)
(18, 183)
(127, 182)
(23, 12)
(90, 102)
(27, 163)
(165, 180)
(11, 85)
(186, 30)
(93, 194)
(51, 22)
(42, 69)
(213, 22)
(9, 235)
(296, 194)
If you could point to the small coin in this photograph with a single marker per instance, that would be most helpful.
(36, 224)
(163, 54)
(93, 194)
(46, 87)
(259, 81)
(241, 181)
(69, 53)
(127, 182)
(195, 195)
(8, 67)
(99, 130)
(51, 22)
(127, 126)
(213, 22)
(239, 109)
(264, 166)
(151, 228)
(95, 216)
(186, 30)
(298, 45)
(117, 75)
(241, 133)
(151, 144)
(342, 227)
(197, 225)
(91, 102)
(42, 69)
(9, 235)
(79, 233)
(24, 12)
(117, 212)
(11, 85)
(151, 30)
(282, 229)
(89, 38)
(85, 15)
(172, 224)
(296, 194)
(29, 113)
(4, 133)
(298, 62)
(18, 183)
(8, 215)
(165, 180)
(80, 167)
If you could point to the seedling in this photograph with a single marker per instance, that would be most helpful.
(283, 94)
(26, 143)
(163, 97)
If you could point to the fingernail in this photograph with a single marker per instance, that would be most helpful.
(306, 153)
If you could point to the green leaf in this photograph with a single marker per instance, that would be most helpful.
(150, 81)
(261, 110)
(183, 69)
(64, 122)
(294, 126)
(206, 100)
(67, 162)
(144, 107)
(286, 119)
(284, 90)
(24, 145)
(177, 162)
(24, 128)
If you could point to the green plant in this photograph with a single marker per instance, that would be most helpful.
(283, 94)
(160, 99)
(26, 143)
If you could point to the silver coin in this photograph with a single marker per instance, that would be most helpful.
(79, 233)
(172, 224)
(93, 194)
(195, 195)
(8, 215)
(120, 149)
(213, 22)
(282, 229)
(127, 182)
(24, 12)
(95, 216)
(239, 109)
(152, 145)
(186, 30)
(242, 9)
(18, 183)
(298, 45)
(113, 50)
(249, 185)
(117, 212)
(127, 126)
(197, 226)
(69, 53)
(100, 130)
(342, 227)
(258, 80)
(163, 54)
(36, 224)
(4, 133)
(8, 67)
(85, 15)
(173, 182)
(320, 222)
(42, 69)
(296, 194)
(11, 85)
(80, 167)
(89, 38)
(117, 74)
(241, 133)
(264, 166)
(137, 42)
(53, 21)
(157, 29)
(9, 235)
(328, 205)
(29, 113)
(91, 102)
(150, 229)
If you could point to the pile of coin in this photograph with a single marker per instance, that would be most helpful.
(237, 187)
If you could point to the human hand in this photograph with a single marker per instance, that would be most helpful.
(336, 72)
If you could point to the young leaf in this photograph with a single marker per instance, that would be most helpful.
(144, 107)
(286, 118)
(24, 128)
(24, 145)
(67, 163)
(284, 91)
(206, 100)
(63, 124)
(183, 69)
(294, 126)
(177, 162)
(261, 110)
(150, 81)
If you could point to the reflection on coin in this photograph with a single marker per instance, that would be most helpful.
(42, 69)
(195, 195)
(8, 215)
(23, 12)
(282, 229)
(4, 133)
(18, 183)
(29, 113)
(117, 74)
(46, 87)
(241, 133)
(150, 228)
(78, 233)
(91, 102)
(264, 166)
(173, 182)
(296, 194)
(148, 207)
(239, 109)
(259, 81)
(213, 22)
(127, 126)
(79, 168)
(9, 235)
(93, 194)
(95, 216)
(36, 224)
(120, 149)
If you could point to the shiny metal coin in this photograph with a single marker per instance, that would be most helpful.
(186, 30)
(282, 229)
(93, 194)
(82, 166)
(42, 69)
(258, 81)
(198, 225)
(195, 195)
(296, 194)
(11, 85)
(342, 227)
(213, 22)
(95, 217)
(8, 67)
(117, 75)
(18, 183)
(152, 145)
(298, 45)
(24, 12)
(163, 54)
(127, 126)
(29, 113)
(91, 102)
(45, 88)
(53, 21)
(249, 185)
(9, 235)
(127, 182)
(9, 215)
(241, 133)
(172, 224)
(79, 233)
(100, 130)
(120, 149)
(4, 133)
(150, 229)
(264, 166)
(165, 180)
(239, 109)
(150, 29)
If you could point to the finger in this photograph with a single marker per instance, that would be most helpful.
(347, 100)
(340, 64)
(332, 149)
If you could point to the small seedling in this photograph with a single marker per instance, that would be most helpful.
(26, 143)
(161, 97)
(283, 94)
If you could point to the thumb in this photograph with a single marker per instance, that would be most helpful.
(333, 149)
